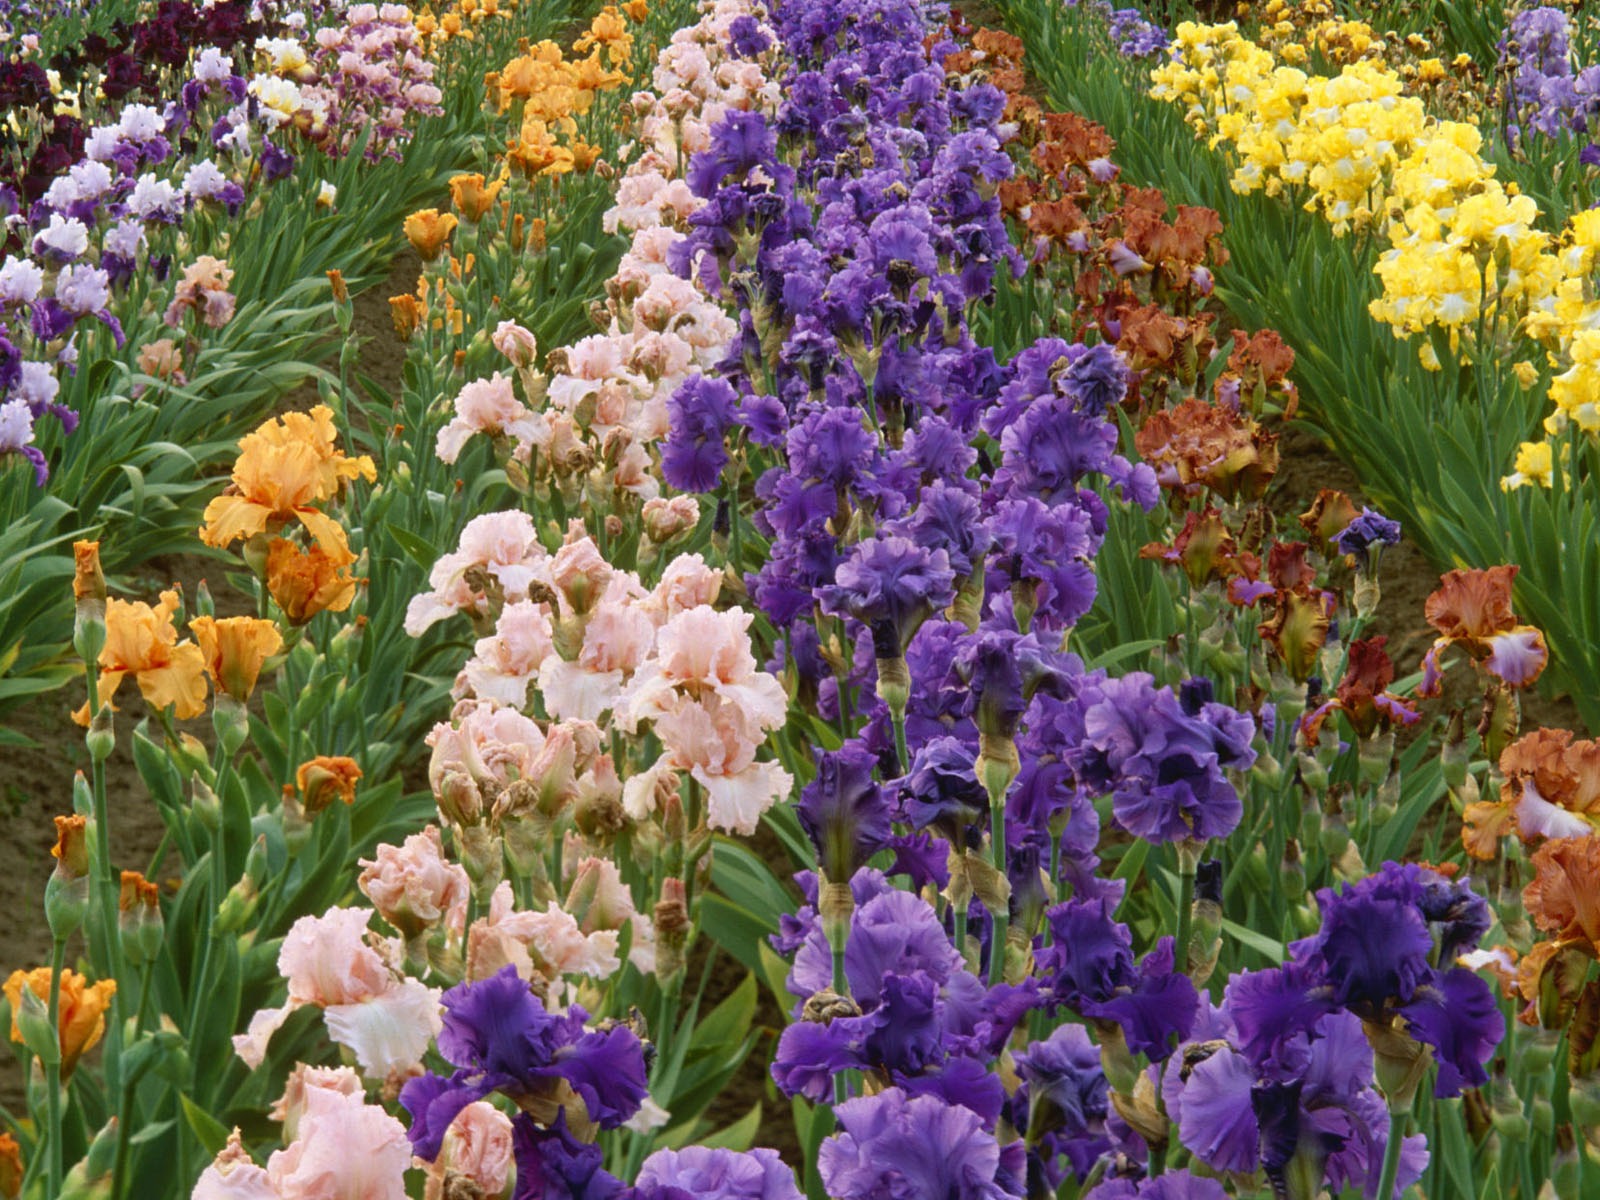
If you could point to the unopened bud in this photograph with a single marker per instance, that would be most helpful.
(206, 805)
(483, 855)
(239, 905)
(672, 928)
(1454, 754)
(32, 1018)
(460, 802)
(90, 1178)
(101, 738)
(139, 918)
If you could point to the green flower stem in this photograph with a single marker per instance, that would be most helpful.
(1002, 919)
(1180, 948)
(1391, 1154)
(52, 1071)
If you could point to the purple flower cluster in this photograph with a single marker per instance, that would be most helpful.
(372, 80)
(1545, 94)
(924, 1021)
(1163, 759)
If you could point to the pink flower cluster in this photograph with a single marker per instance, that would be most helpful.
(605, 400)
(336, 1144)
(372, 79)
(334, 963)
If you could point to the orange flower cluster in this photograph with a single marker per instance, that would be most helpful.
(1139, 276)
(549, 97)
(82, 1019)
(458, 20)
(143, 642)
(286, 470)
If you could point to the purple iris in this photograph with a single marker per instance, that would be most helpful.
(500, 1037)
(1063, 1102)
(843, 810)
(942, 790)
(1090, 968)
(921, 1147)
(1371, 530)
(891, 585)
(699, 415)
(718, 1174)
(1163, 765)
(1375, 953)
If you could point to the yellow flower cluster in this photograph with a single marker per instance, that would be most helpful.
(1567, 322)
(551, 100)
(1296, 32)
(1466, 254)
(1366, 155)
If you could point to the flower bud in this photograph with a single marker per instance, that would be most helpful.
(1205, 938)
(1566, 1175)
(483, 855)
(672, 929)
(30, 1023)
(1312, 773)
(101, 737)
(665, 520)
(325, 779)
(1506, 1111)
(1292, 872)
(89, 590)
(139, 918)
(997, 766)
(90, 1177)
(1399, 1063)
(242, 900)
(1374, 756)
(460, 802)
(66, 893)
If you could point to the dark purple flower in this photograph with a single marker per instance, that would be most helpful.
(1366, 535)
(699, 415)
(843, 810)
(1275, 1010)
(1374, 945)
(942, 789)
(891, 585)
(501, 1038)
(1456, 1014)
(1163, 766)
(740, 142)
(554, 1165)
(1090, 967)
(746, 38)
(1064, 1087)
